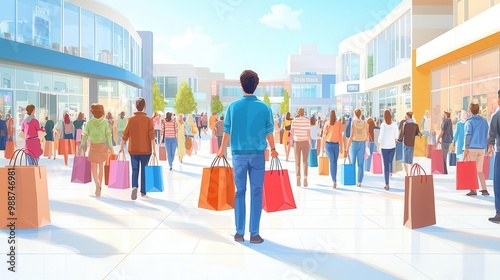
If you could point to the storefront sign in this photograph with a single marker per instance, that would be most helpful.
(106, 88)
(42, 10)
(306, 79)
(406, 88)
(353, 88)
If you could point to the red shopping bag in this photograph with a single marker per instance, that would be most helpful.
(467, 175)
(430, 149)
(437, 162)
(486, 167)
(377, 163)
(162, 152)
(214, 146)
(119, 173)
(277, 192)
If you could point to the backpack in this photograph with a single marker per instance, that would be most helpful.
(68, 128)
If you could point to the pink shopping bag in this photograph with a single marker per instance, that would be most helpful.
(81, 173)
(437, 162)
(78, 135)
(214, 146)
(377, 163)
(119, 173)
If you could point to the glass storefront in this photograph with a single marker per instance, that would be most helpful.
(472, 79)
(40, 23)
(350, 67)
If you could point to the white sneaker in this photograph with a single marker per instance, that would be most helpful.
(145, 196)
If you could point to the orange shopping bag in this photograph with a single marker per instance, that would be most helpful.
(217, 186)
(26, 197)
(10, 146)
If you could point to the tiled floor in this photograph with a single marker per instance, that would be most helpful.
(346, 233)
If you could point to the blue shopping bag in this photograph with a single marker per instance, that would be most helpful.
(368, 161)
(348, 173)
(154, 176)
(453, 159)
(399, 150)
(492, 164)
(312, 160)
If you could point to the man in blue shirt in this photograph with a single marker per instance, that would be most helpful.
(494, 136)
(248, 123)
(476, 140)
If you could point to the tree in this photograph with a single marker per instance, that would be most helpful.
(267, 100)
(216, 105)
(158, 101)
(184, 100)
(285, 105)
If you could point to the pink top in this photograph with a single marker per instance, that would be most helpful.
(156, 123)
(31, 129)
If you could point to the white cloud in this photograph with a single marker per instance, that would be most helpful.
(194, 46)
(282, 16)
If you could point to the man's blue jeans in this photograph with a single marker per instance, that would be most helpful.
(332, 151)
(170, 146)
(357, 154)
(139, 161)
(496, 182)
(254, 166)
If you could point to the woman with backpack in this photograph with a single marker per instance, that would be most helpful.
(359, 141)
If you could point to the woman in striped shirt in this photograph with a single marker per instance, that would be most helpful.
(301, 132)
(169, 129)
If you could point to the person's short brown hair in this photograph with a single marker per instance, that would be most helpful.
(313, 121)
(447, 114)
(409, 114)
(30, 108)
(97, 110)
(357, 113)
(140, 103)
(249, 81)
(474, 108)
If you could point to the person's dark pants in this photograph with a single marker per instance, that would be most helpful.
(139, 161)
(332, 151)
(388, 156)
(199, 130)
(496, 182)
(157, 136)
(446, 149)
(68, 136)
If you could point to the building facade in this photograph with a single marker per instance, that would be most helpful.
(170, 76)
(63, 56)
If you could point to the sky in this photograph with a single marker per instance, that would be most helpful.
(229, 36)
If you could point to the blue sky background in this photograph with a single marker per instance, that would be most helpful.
(231, 35)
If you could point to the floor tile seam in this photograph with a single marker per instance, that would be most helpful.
(452, 218)
(411, 265)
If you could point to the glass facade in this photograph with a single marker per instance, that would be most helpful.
(82, 33)
(306, 91)
(350, 67)
(390, 48)
(467, 9)
(168, 86)
(471, 79)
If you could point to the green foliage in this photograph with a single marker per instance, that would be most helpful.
(285, 105)
(216, 105)
(267, 100)
(184, 100)
(158, 101)
(370, 66)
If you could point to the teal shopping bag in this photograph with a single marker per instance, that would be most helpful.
(347, 173)
(492, 164)
(312, 160)
(154, 176)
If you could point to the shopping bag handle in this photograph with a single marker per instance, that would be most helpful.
(348, 157)
(276, 166)
(466, 158)
(153, 161)
(418, 170)
(216, 161)
(123, 156)
(20, 153)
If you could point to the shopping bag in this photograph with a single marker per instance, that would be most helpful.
(323, 165)
(106, 167)
(437, 163)
(162, 152)
(154, 175)
(397, 165)
(312, 160)
(276, 136)
(78, 135)
(277, 192)
(196, 145)
(430, 149)
(399, 150)
(47, 151)
(81, 173)
(486, 166)
(26, 196)
(453, 159)
(348, 173)
(266, 154)
(10, 146)
(419, 204)
(281, 136)
(214, 146)
(377, 163)
(189, 143)
(491, 171)
(119, 173)
(368, 156)
(66, 147)
(217, 191)
(466, 178)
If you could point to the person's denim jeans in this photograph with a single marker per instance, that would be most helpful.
(388, 156)
(170, 147)
(31, 162)
(496, 182)
(313, 144)
(157, 136)
(252, 166)
(357, 154)
(332, 151)
(139, 161)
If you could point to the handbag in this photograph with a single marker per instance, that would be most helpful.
(217, 190)
(277, 192)
(154, 175)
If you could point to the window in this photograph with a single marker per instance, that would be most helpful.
(87, 35)
(476, 7)
(7, 20)
(104, 39)
(118, 45)
(71, 29)
(126, 48)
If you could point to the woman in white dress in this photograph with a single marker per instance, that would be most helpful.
(181, 137)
